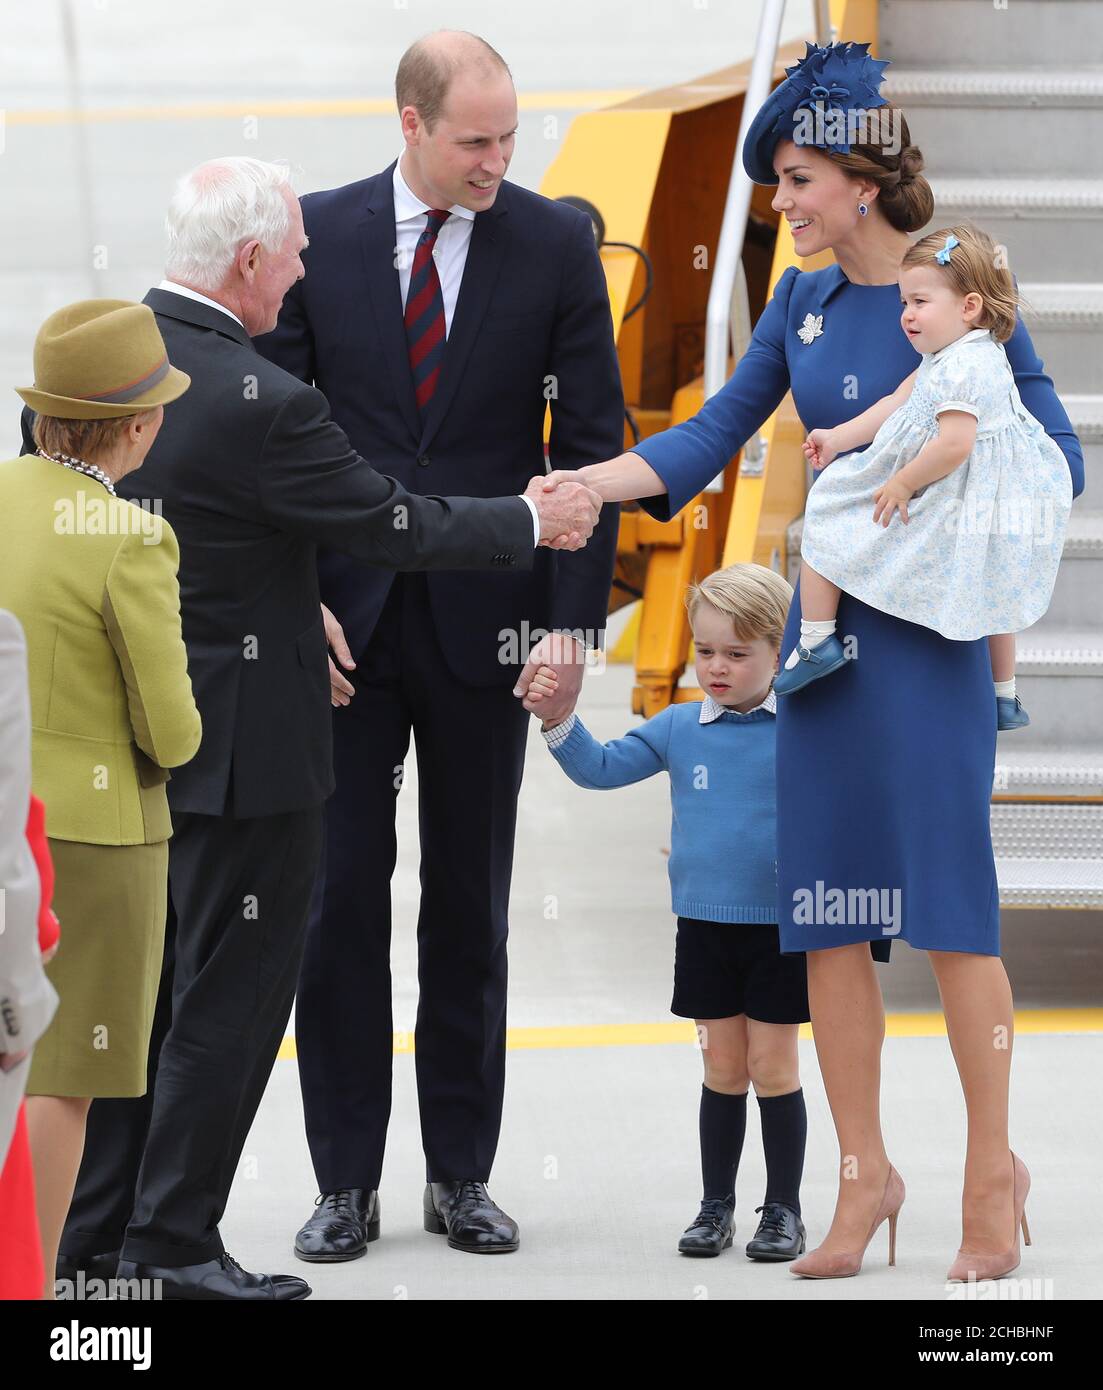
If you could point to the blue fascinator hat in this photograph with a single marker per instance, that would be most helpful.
(818, 104)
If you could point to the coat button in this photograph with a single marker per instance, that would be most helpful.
(424, 460)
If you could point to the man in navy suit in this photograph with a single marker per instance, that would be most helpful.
(443, 309)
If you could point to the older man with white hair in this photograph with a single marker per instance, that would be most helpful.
(252, 474)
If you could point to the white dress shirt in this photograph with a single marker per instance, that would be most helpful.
(174, 288)
(712, 709)
(450, 257)
(449, 253)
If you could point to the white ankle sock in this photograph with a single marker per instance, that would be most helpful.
(1006, 688)
(811, 635)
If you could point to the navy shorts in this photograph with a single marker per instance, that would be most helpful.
(726, 968)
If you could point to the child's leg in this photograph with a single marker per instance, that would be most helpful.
(772, 1066)
(1001, 648)
(723, 1116)
(819, 603)
(819, 598)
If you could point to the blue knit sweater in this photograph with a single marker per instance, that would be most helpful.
(723, 856)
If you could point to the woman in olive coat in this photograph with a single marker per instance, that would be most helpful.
(92, 579)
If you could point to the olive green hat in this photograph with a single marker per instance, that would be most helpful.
(101, 358)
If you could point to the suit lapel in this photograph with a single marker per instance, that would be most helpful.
(378, 241)
(480, 273)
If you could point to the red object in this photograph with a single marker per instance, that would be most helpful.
(21, 1268)
(48, 930)
(424, 315)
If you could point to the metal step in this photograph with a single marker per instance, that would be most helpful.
(1046, 224)
(1051, 772)
(1066, 325)
(1032, 831)
(1086, 415)
(939, 32)
(1078, 594)
(1069, 651)
(954, 112)
(1059, 675)
(1068, 883)
(1048, 856)
(1092, 496)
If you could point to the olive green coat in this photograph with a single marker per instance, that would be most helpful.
(92, 580)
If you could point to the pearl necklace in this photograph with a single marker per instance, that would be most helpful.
(90, 470)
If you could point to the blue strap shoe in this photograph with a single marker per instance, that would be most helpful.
(1009, 712)
(814, 662)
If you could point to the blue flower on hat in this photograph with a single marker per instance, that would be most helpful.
(840, 77)
(819, 92)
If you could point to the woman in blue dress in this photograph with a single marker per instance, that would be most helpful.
(885, 770)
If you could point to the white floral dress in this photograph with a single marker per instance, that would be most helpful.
(980, 551)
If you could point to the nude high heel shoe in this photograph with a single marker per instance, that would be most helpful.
(816, 1265)
(976, 1266)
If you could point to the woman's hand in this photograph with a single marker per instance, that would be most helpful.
(820, 448)
(893, 497)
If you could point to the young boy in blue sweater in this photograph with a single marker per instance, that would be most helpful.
(729, 974)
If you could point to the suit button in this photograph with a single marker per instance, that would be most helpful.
(424, 460)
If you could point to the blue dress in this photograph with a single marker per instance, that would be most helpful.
(884, 773)
(980, 549)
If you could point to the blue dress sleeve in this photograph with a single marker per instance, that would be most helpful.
(640, 754)
(688, 456)
(1039, 397)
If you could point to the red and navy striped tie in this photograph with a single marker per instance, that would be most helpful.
(425, 312)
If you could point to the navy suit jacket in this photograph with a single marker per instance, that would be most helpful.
(532, 322)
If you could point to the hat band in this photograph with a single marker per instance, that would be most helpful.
(121, 395)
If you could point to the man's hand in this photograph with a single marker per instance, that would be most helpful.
(550, 482)
(341, 691)
(562, 656)
(568, 512)
(894, 496)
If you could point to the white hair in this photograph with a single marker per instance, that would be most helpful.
(219, 206)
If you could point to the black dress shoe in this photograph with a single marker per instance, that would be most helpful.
(713, 1229)
(464, 1212)
(780, 1234)
(71, 1267)
(342, 1226)
(220, 1279)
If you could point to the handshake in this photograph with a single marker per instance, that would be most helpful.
(567, 508)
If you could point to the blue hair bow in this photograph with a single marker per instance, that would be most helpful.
(943, 256)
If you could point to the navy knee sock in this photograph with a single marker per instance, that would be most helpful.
(784, 1131)
(723, 1125)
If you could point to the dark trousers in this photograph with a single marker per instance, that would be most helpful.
(160, 1167)
(470, 756)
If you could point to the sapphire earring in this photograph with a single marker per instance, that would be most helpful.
(862, 209)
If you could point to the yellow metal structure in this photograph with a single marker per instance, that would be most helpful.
(657, 168)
